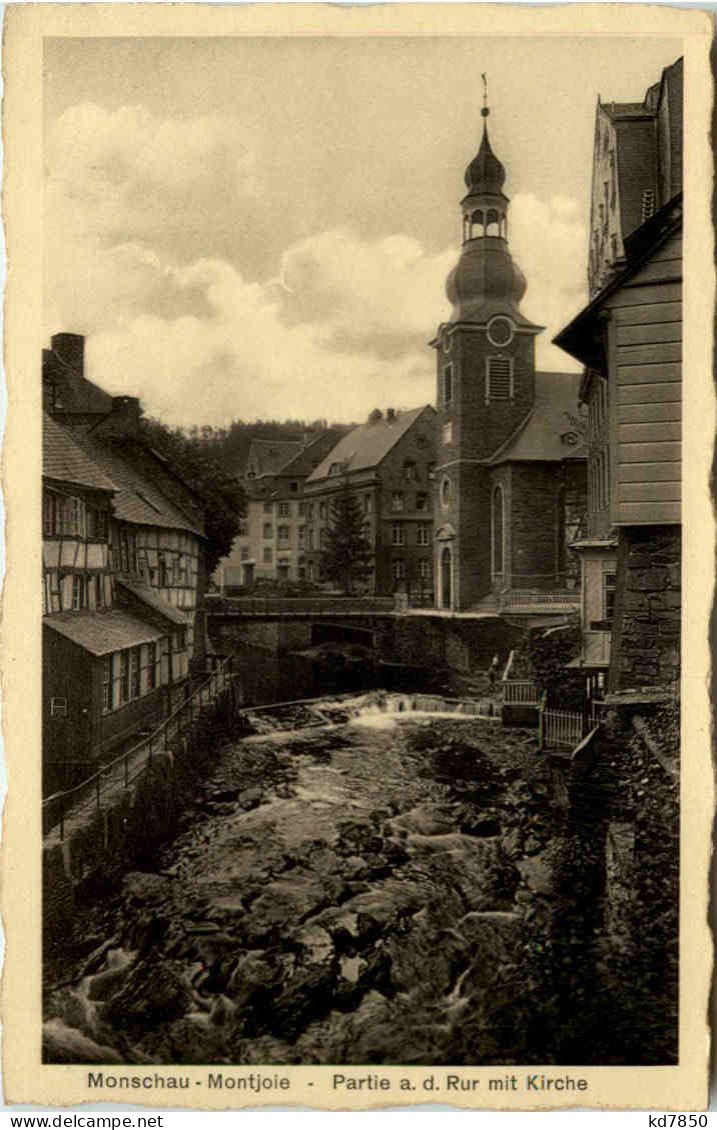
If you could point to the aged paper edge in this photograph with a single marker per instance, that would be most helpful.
(684, 1087)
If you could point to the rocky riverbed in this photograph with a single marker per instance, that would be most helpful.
(359, 892)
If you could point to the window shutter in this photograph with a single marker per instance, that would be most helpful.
(499, 378)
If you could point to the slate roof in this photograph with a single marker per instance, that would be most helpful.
(154, 600)
(102, 632)
(369, 444)
(138, 499)
(302, 464)
(64, 461)
(539, 437)
(267, 456)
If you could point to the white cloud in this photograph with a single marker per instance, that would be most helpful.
(136, 209)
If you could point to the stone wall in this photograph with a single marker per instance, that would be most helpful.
(646, 637)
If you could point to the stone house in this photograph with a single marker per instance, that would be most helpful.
(629, 338)
(388, 464)
(271, 541)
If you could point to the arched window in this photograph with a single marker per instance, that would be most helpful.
(497, 531)
(477, 225)
(491, 224)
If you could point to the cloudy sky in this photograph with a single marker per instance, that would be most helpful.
(263, 227)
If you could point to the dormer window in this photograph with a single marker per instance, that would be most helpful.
(499, 379)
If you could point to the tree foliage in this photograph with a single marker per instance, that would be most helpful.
(219, 491)
(347, 556)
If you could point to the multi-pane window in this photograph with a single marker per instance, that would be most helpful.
(96, 524)
(244, 553)
(79, 592)
(409, 471)
(399, 569)
(283, 532)
(397, 500)
(268, 507)
(134, 683)
(398, 534)
(107, 687)
(424, 569)
(124, 677)
(284, 509)
(310, 538)
(609, 582)
(268, 555)
(268, 530)
(151, 666)
(50, 506)
(499, 378)
(448, 384)
(243, 528)
(424, 534)
(302, 536)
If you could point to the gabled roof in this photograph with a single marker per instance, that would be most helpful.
(64, 461)
(369, 444)
(138, 498)
(541, 437)
(301, 465)
(267, 456)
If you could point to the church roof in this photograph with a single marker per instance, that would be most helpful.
(369, 444)
(549, 432)
(485, 174)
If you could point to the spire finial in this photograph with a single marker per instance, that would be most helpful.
(485, 111)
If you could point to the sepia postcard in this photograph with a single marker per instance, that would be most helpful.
(360, 555)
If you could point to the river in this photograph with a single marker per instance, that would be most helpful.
(357, 892)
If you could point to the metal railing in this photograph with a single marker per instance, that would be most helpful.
(563, 730)
(122, 770)
(522, 691)
(532, 598)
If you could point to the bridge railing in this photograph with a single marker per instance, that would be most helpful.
(298, 605)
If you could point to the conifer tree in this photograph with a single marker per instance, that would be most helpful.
(347, 555)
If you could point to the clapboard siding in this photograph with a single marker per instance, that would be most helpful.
(648, 374)
(649, 472)
(660, 270)
(650, 432)
(649, 354)
(655, 411)
(649, 452)
(670, 250)
(650, 492)
(649, 313)
(640, 393)
(642, 334)
(656, 293)
(649, 513)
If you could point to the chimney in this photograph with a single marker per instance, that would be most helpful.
(375, 416)
(390, 415)
(70, 349)
(124, 420)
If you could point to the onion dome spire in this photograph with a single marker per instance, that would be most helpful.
(485, 172)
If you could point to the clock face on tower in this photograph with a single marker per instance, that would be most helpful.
(500, 330)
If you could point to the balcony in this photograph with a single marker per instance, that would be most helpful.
(535, 600)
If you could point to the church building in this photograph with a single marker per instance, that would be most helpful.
(510, 468)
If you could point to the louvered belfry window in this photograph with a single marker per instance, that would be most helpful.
(499, 378)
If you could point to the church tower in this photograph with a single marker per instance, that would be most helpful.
(485, 382)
